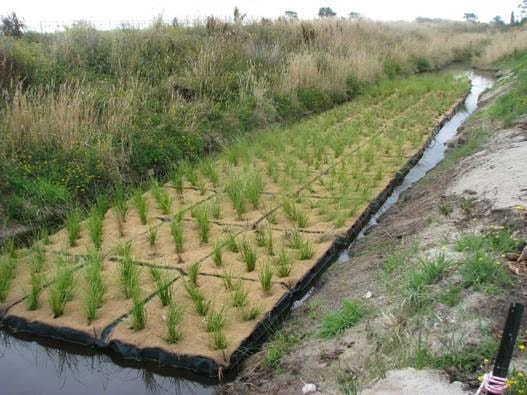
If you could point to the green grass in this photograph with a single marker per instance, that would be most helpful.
(193, 273)
(208, 169)
(254, 188)
(138, 313)
(38, 259)
(7, 274)
(72, 224)
(140, 206)
(37, 285)
(95, 228)
(235, 191)
(201, 306)
(219, 341)
(335, 323)
(217, 255)
(120, 211)
(452, 296)
(215, 320)
(294, 214)
(249, 314)
(264, 238)
(176, 230)
(428, 271)
(151, 236)
(162, 282)
(284, 264)
(481, 270)
(239, 295)
(394, 262)
(248, 254)
(265, 275)
(62, 286)
(128, 275)
(231, 243)
(281, 343)
(177, 181)
(174, 318)
(306, 250)
(163, 199)
(202, 221)
(96, 289)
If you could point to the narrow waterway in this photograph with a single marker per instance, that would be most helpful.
(28, 366)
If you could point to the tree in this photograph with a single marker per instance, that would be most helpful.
(470, 17)
(325, 12)
(354, 15)
(523, 9)
(513, 19)
(498, 21)
(291, 15)
(12, 26)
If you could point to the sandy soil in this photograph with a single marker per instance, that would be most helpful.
(496, 177)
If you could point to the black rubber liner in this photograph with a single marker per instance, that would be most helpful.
(264, 328)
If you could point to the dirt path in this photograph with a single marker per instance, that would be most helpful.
(487, 188)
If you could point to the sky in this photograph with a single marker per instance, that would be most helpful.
(45, 13)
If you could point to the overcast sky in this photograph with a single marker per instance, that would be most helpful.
(104, 11)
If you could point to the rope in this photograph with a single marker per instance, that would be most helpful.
(493, 384)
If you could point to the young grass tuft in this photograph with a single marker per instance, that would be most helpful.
(151, 236)
(239, 295)
(163, 199)
(215, 208)
(176, 230)
(7, 273)
(335, 323)
(284, 264)
(231, 243)
(294, 213)
(254, 188)
(219, 341)
(38, 259)
(266, 276)
(177, 181)
(163, 285)
(250, 314)
(248, 253)
(202, 220)
(96, 288)
(174, 318)
(37, 285)
(139, 316)
(306, 250)
(141, 207)
(73, 226)
(201, 306)
(215, 320)
(235, 191)
(193, 273)
(209, 171)
(61, 289)
(43, 235)
(227, 280)
(129, 275)
(95, 229)
(120, 211)
(217, 256)
(264, 238)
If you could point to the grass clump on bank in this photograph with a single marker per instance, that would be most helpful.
(335, 323)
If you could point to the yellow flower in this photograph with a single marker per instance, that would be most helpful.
(521, 347)
(520, 374)
(481, 377)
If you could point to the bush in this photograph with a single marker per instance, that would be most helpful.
(422, 64)
(392, 69)
(314, 100)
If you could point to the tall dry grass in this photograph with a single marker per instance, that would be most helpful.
(502, 45)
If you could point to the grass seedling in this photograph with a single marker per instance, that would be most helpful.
(37, 284)
(176, 230)
(231, 243)
(163, 288)
(202, 187)
(129, 276)
(151, 236)
(294, 213)
(217, 255)
(209, 171)
(306, 250)
(266, 276)
(335, 323)
(177, 181)
(190, 173)
(254, 188)
(284, 264)
(44, 236)
(9, 248)
(219, 341)
(215, 320)
(73, 227)
(201, 306)
(95, 229)
(61, 289)
(163, 199)
(215, 208)
(120, 211)
(193, 273)
(239, 295)
(250, 314)
(248, 253)
(138, 311)
(202, 220)
(141, 207)
(235, 191)
(264, 238)
(7, 274)
(174, 318)
(482, 271)
(38, 260)
(96, 288)
(227, 280)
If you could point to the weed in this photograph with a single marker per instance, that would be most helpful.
(250, 314)
(219, 341)
(163, 285)
(239, 295)
(193, 273)
(96, 288)
(174, 318)
(470, 242)
(44, 236)
(215, 320)
(140, 206)
(284, 264)
(335, 323)
(266, 276)
(467, 204)
(445, 209)
(482, 271)
(248, 253)
(176, 230)
(500, 240)
(73, 226)
(429, 272)
(452, 296)
(394, 262)
(348, 383)
(139, 316)
(280, 345)
(61, 289)
(217, 256)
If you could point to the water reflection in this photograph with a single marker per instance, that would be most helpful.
(29, 367)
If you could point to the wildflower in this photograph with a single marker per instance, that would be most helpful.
(481, 377)
(521, 347)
